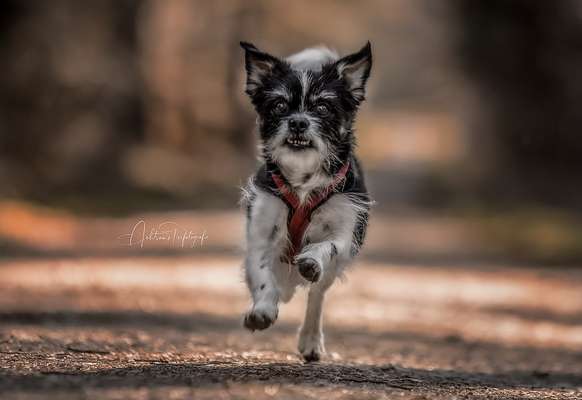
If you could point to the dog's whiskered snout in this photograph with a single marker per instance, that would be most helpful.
(297, 137)
(298, 125)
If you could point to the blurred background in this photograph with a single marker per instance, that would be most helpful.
(125, 137)
(115, 109)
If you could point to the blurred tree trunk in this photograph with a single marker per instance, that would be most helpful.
(69, 85)
(247, 22)
(192, 68)
(166, 39)
(525, 58)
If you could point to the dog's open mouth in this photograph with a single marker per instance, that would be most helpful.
(298, 143)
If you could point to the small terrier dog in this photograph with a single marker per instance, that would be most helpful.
(307, 205)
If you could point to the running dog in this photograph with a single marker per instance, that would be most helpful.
(307, 206)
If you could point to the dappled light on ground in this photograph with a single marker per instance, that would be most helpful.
(170, 324)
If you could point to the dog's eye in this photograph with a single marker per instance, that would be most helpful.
(280, 107)
(322, 109)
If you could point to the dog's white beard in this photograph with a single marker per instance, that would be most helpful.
(302, 169)
(295, 165)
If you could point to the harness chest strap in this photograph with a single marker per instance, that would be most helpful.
(301, 213)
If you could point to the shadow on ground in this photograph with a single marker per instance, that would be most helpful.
(99, 364)
(339, 375)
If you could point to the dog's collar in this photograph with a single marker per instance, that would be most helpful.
(300, 214)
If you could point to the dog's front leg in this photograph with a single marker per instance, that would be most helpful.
(263, 230)
(331, 235)
(320, 263)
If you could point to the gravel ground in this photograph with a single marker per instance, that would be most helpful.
(170, 328)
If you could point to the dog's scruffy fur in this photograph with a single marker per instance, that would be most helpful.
(306, 106)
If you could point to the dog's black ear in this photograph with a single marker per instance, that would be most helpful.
(258, 66)
(355, 70)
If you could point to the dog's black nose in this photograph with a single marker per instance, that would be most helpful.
(298, 124)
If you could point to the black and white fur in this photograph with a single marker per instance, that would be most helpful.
(306, 106)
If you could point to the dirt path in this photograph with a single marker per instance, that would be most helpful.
(169, 327)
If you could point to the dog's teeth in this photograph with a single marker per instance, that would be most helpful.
(297, 142)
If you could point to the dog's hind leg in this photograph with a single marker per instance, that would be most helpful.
(311, 341)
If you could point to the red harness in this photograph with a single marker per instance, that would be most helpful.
(301, 213)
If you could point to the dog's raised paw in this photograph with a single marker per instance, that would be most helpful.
(260, 318)
(309, 269)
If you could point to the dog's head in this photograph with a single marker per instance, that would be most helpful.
(306, 103)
